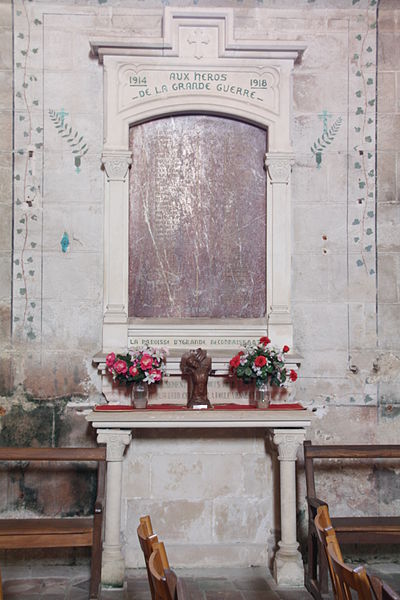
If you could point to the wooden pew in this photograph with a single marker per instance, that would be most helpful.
(60, 532)
(349, 530)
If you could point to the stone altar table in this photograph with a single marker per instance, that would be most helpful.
(288, 431)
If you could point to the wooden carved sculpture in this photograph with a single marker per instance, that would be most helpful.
(196, 365)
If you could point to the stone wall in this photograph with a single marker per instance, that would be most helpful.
(387, 361)
(208, 494)
(6, 160)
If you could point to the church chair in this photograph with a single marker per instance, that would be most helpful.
(368, 587)
(350, 529)
(382, 590)
(349, 579)
(149, 542)
(327, 535)
(164, 579)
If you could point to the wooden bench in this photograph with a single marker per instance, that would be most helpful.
(349, 530)
(62, 532)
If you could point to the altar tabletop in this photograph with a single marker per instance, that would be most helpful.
(142, 419)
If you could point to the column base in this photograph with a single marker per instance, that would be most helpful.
(113, 567)
(289, 568)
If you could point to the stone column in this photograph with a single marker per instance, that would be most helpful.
(278, 165)
(113, 564)
(116, 239)
(288, 564)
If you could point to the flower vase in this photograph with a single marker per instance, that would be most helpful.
(139, 394)
(263, 394)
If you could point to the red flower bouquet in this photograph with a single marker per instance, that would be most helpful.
(262, 363)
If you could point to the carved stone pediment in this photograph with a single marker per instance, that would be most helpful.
(198, 34)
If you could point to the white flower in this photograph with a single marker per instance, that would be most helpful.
(160, 353)
(149, 378)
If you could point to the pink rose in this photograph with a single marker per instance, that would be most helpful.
(133, 371)
(120, 367)
(260, 361)
(110, 359)
(156, 373)
(147, 362)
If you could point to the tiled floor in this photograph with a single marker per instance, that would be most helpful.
(71, 583)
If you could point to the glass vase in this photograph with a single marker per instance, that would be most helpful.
(263, 394)
(140, 394)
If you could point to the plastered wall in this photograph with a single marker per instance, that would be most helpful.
(209, 494)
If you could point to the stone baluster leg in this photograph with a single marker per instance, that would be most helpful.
(113, 564)
(288, 564)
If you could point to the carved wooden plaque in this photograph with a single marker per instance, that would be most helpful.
(197, 236)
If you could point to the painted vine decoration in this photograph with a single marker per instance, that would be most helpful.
(76, 142)
(364, 162)
(26, 183)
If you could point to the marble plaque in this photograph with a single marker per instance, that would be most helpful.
(197, 241)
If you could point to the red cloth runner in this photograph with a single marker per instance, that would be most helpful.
(113, 407)
(284, 406)
(124, 407)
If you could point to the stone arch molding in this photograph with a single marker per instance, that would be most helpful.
(198, 66)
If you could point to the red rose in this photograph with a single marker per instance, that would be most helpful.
(120, 367)
(293, 375)
(235, 361)
(260, 361)
(264, 340)
(240, 353)
(285, 349)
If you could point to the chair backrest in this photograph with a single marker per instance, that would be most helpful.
(148, 542)
(146, 525)
(382, 590)
(350, 579)
(164, 579)
(327, 535)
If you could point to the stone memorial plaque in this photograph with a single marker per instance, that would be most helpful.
(197, 236)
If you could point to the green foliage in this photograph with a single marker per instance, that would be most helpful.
(327, 137)
(71, 136)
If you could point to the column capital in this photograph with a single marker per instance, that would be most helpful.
(115, 441)
(116, 164)
(279, 165)
(288, 442)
